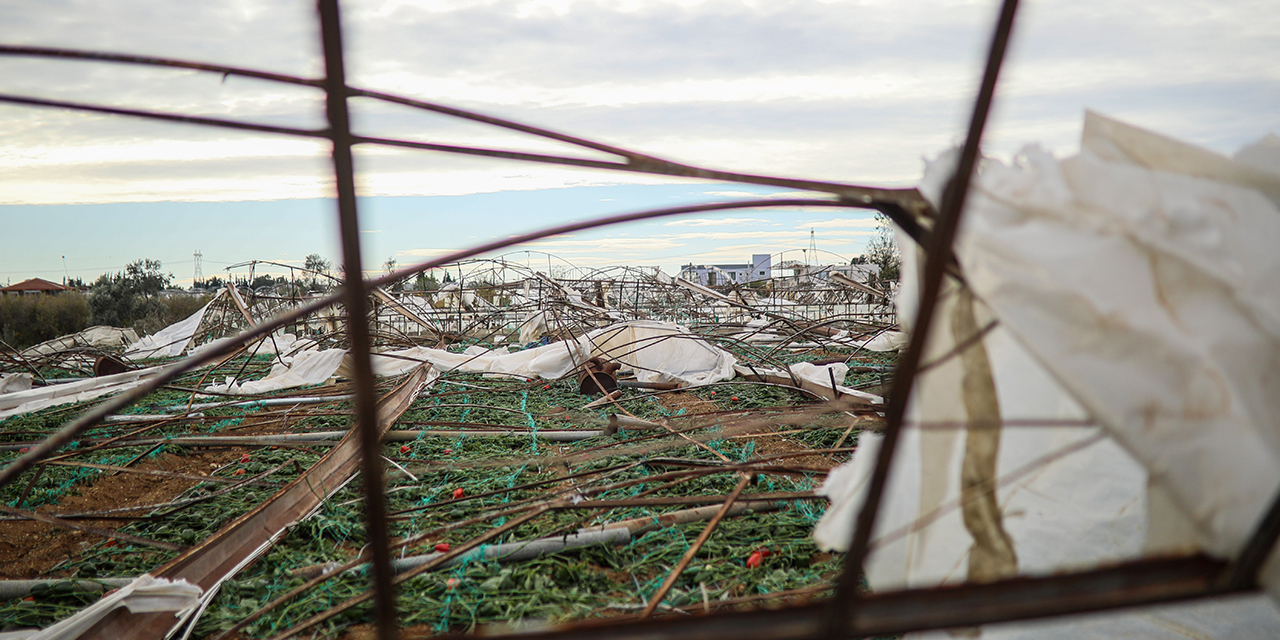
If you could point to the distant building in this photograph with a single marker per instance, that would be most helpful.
(35, 286)
(801, 272)
(721, 274)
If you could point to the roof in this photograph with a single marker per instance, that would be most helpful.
(35, 284)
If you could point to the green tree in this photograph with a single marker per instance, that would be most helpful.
(882, 250)
(131, 298)
(426, 282)
(316, 265)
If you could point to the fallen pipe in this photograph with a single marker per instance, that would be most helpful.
(617, 533)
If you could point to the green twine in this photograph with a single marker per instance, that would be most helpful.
(533, 425)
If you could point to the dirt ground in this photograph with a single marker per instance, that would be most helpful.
(33, 549)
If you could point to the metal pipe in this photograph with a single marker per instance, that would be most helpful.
(843, 609)
(356, 302)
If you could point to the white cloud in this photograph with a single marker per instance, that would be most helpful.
(715, 222)
(844, 223)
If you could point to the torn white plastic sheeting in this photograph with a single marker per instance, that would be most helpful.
(657, 351)
(98, 336)
(816, 379)
(144, 595)
(1068, 496)
(533, 327)
(1148, 296)
(11, 382)
(303, 369)
(662, 352)
(886, 341)
(1153, 294)
(20, 402)
(168, 342)
(280, 342)
(551, 361)
(822, 375)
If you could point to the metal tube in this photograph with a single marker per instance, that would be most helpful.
(356, 301)
(843, 608)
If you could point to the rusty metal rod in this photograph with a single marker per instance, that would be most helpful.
(1136, 583)
(843, 608)
(356, 302)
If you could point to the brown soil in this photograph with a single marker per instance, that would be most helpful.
(32, 549)
(691, 404)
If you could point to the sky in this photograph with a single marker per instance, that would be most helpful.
(860, 92)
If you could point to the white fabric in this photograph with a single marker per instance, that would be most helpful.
(97, 336)
(168, 342)
(887, 341)
(550, 361)
(662, 352)
(533, 327)
(1137, 280)
(21, 402)
(817, 374)
(11, 382)
(303, 369)
(280, 342)
(1169, 330)
(1071, 497)
(144, 595)
(657, 351)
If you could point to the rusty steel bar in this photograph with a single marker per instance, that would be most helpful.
(165, 117)
(844, 606)
(1244, 569)
(356, 302)
(75, 54)
(1130, 584)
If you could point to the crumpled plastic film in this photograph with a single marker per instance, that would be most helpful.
(1133, 287)
(144, 595)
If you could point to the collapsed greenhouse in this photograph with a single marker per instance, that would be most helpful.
(1063, 425)
(525, 481)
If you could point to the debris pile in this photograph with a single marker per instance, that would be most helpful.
(550, 455)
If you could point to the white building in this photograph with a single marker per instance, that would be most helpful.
(720, 274)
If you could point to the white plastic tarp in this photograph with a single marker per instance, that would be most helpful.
(21, 402)
(657, 351)
(170, 341)
(278, 342)
(661, 352)
(1134, 285)
(1144, 273)
(97, 336)
(304, 369)
(144, 595)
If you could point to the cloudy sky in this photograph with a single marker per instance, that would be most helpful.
(857, 92)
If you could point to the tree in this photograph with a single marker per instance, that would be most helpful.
(390, 264)
(882, 250)
(426, 282)
(316, 265)
(131, 298)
